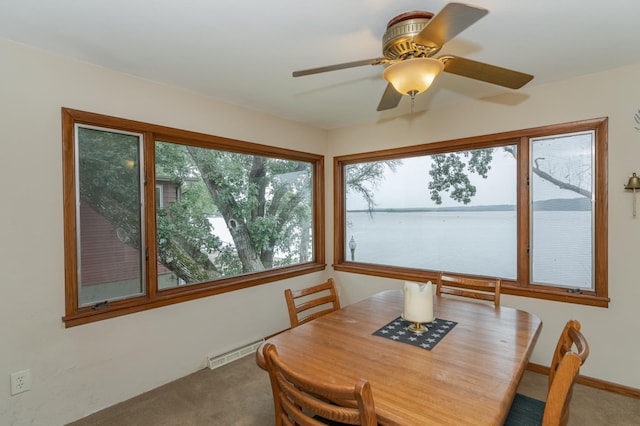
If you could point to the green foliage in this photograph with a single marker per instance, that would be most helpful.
(259, 198)
(450, 173)
(196, 195)
(185, 237)
(264, 230)
(227, 262)
(265, 202)
(172, 161)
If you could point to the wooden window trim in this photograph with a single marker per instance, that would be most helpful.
(154, 298)
(520, 287)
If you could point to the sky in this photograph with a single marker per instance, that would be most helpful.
(408, 186)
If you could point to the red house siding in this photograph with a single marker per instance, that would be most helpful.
(104, 258)
(169, 193)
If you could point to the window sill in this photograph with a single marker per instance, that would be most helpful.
(558, 295)
(114, 309)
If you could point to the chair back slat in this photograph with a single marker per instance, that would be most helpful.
(475, 288)
(299, 400)
(312, 302)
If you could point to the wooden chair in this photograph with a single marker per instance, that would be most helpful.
(564, 370)
(476, 288)
(299, 400)
(312, 302)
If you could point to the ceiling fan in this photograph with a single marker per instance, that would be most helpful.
(409, 45)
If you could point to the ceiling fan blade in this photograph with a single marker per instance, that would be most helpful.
(390, 98)
(449, 22)
(485, 72)
(374, 61)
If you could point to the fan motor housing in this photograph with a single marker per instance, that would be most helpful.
(397, 41)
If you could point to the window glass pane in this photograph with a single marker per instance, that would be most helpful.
(451, 212)
(562, 211)
(108, 215)
(236, 214)
(159, 196)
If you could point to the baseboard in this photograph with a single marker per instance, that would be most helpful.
(592, 382)
(215, 361)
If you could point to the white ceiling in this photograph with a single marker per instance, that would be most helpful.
(243, 52)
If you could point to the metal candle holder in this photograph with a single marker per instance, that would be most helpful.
(418, 328)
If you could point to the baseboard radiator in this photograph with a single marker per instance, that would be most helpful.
(215, 361)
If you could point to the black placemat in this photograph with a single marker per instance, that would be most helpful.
(397, 330)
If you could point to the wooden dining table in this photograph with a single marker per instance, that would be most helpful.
(468, 378)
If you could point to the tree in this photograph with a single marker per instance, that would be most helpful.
(450, 173)
(185, 237)
(265, 202)
(110, 183)
(256, 202)
(364, 178)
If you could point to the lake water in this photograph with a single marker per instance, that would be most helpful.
(478, 243)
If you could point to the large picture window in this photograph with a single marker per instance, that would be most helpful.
(528, 207)
(154, 215)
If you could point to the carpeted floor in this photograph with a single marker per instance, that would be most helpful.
(239, 394)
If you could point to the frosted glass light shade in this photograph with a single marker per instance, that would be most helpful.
(413, 76)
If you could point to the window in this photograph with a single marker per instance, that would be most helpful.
(155, 216)
(526, 206)
(562, 210)
(159, 196)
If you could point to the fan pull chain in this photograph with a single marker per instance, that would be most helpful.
(413, 99)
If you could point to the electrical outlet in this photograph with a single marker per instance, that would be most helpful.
(20, 381)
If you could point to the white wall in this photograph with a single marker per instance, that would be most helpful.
(83, 369)
(80, 370)
(613, 332)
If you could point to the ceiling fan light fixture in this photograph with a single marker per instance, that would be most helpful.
(413, 76)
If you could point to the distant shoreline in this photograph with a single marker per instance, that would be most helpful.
(557, 204)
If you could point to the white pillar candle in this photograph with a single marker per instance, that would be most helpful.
(418, 302)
